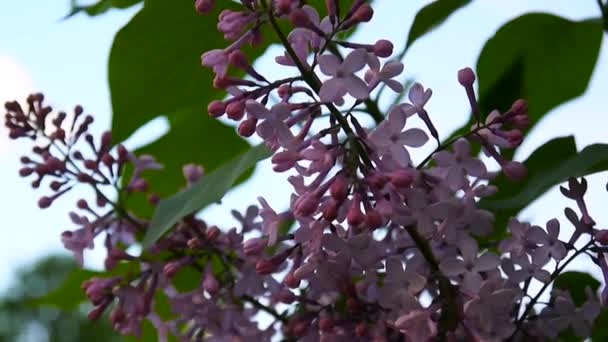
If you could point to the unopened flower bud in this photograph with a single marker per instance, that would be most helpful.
(291, 281)
(355, 216)
(383, 48)
(204, 6)
(236, 110)
(216, 108)
(213, 233)
(466, 77)
(45, 202)
(373, 219)
(339, 188)
(602, 237)
(247, 127)
(193, 173)
(255, 246)
(515, 171)
(402, 178)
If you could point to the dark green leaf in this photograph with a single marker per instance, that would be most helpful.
(549, 165)
(544, 59)
(194, 138)
(70, 295)
(600, 328)
(209, 190)
(431, 16)
(100, 6)
(576, 283)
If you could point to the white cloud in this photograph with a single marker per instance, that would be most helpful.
(15, 83)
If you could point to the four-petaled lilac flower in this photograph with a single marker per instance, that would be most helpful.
(273, 128)
(551, 244)
(271, 221)
(375, 75)
(470, 265)
(390, 139)
(343, 79)
(527, 269)
(459, 164)
(418, 98)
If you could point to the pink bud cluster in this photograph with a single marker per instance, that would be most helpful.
(370, 247)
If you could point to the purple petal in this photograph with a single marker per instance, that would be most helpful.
(329, 64)
(414, 137)
(354, 62)
(356, 87)
(330, 90)
(257, 109)
(487, 261)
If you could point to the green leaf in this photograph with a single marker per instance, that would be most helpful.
(600, 328)
(194, 138)
(542, 58)
(430, 17)
(70, 295)
(210, 189)
(100, 7)
(576, 283)
(551, 164)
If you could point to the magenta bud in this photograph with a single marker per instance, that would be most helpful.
(45, 202)
(247, 127)
(236, 110)
(466, 77)
(339, 188)
(355, 216)
(373, 219)
(255, 246)
(216, 108)
(299, 18)
(330, 212)
(383, 48)
(291, 281)
(515, 171)
(364, 14)
(213, 233)
(193, 173)
(602, 237)
(25, 171)
(96, 313)
(520, 107)
(204, 6)
(286, 296)
(402, 178)
(210, 283)
(238, 59)
(306, 205)
(266, 266)
(82, 204)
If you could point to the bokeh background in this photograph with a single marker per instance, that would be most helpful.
(67, 59)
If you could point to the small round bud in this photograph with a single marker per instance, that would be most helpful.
(236, 110)
(238, 59)
(204, 6)
(602, 237)
(466, 77)
(213, 233)
(247, 127)
(364, 14)
(383, 48)
(291, 281)
(82, 204)
(216, 108)
(45, 202)
(339, 188)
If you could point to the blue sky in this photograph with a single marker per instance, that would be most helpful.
(67, 59)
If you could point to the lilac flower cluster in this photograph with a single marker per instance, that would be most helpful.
(372, 247)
